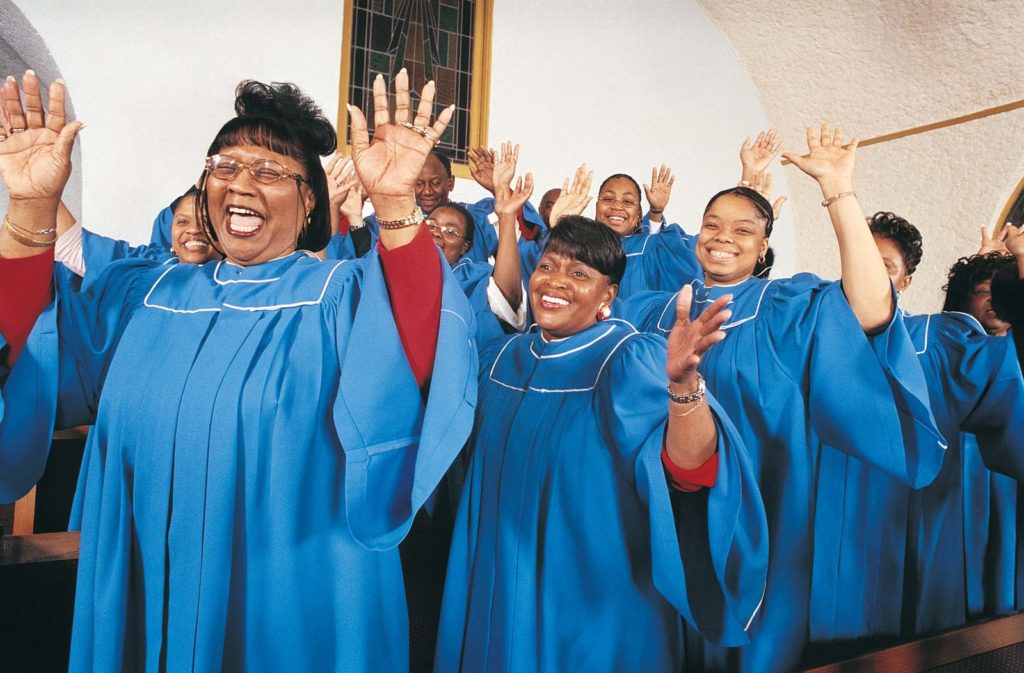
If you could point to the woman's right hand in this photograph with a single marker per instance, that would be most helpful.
(35, 152)
(573, 199)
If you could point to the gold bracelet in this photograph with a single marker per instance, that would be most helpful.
(26, 232)
(415, 217)
(832, 199)
(692, 409)
(25, 240)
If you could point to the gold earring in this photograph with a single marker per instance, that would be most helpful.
(604, 312)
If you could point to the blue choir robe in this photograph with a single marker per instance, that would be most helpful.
(908, 574)
(161, 234)
(661, 262)
(340, 247)
(796, 370)
(98, 251)
(570, 553)
(248, 476)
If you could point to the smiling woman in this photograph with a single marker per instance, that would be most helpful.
(251, 449)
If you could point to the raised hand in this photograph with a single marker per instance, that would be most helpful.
(1014, 240)
(341, 178)
(35, 152)
(762, 184)
(660, 189)
(508, 198)
(481, 167)
(389, 166)
(828, 160)
(994, 243)
(757, 154)
(573, 200)
(690, 339)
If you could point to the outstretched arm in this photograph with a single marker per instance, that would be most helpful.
(573, 199)
(865, 282)
(508, 200)
(659, 191)
(388, 168)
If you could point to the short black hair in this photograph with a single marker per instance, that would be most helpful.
(281, 118)
(905, 235)
(967, 273)
(590, 242)
(608, 179)
(444, 159)
(754, 197)
(467, 218)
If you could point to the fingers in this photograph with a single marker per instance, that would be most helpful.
(715, 315)
(360, 133)
(402, 99)
(380, 102)
(684, 300)
(826, 136)
(426, 106)
(777, 206)
(33, 100)
(812, 138)
(442, 119)
(528, 185)
(766, 185)
(986, 238)
(746, 145)
(66, 139)
(12, 104)
(837, 137)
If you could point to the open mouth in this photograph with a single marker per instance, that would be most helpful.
(553, 303)
(722, 255)
(196, 245)
(244, 222)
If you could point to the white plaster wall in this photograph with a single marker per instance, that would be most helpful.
(881, 67)
(153, 81)
(619, 87)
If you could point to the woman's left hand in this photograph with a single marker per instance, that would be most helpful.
(481, 167)
(507, 199)
(690, 339)
(389, 166)
(762, 184)
(828, 160)
(660, 189)
(994, 243)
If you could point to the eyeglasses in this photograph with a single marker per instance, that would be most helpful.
(611, 200)
(451, 233)
(263, 171)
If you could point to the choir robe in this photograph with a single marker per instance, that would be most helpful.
(99, 251)
(245, 484)
(569, 551)
(920, 572)
(661, 262)
(796, 370)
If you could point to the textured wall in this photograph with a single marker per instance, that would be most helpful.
(880, 67)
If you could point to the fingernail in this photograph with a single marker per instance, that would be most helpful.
(379, 76)
(10, 78)
(30, 72)
(59, 80)
(402, 70)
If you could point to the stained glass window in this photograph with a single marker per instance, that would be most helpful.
(447, 41)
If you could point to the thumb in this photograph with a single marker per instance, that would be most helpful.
(66, 138)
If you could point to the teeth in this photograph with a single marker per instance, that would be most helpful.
(245, 228)
(242, 211)
(554, 300)
(196, 245)
(721, 254)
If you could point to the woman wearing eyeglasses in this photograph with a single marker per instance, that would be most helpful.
(265, 427)
(796, 369)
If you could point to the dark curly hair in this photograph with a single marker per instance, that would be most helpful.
(905, 235)
(467, 218)
(967, 273)
(279, 117)
(590, 242)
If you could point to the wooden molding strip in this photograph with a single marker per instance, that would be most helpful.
(20, 549)
(962, 119)
(929, 653)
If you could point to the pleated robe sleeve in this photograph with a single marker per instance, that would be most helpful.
(709, 550)
(57, 379)
(394, 461)
(860, 388)
(99, 251)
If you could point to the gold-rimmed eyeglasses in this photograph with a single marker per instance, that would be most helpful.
(451, 233)
(263, 171)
